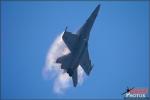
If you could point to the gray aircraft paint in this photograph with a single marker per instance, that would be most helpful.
(78, 46)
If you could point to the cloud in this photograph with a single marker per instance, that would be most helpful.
(52, 70)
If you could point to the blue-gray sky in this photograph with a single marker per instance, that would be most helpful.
(118, 46)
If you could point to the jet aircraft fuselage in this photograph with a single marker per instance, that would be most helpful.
(78, 46)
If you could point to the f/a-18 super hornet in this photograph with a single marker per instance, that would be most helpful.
(78, 46)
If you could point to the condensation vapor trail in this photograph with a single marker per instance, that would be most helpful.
(52, 70)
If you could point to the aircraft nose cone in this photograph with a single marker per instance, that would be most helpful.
(98, 6)
(95, 12)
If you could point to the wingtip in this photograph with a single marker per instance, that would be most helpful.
(66, 28)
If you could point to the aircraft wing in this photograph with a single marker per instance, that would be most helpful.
(70, 40)
(86, 62)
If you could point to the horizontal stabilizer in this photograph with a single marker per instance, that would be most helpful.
(64, 60)
(86, 62)
(75, 77)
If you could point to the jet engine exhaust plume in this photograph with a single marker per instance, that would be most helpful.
(52, 70)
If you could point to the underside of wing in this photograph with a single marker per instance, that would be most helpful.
(70, 39)
(86, 62)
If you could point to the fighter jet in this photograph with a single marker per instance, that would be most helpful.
(127, 90)
(78, 46)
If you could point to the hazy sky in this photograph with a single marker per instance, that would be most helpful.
(118, 47)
